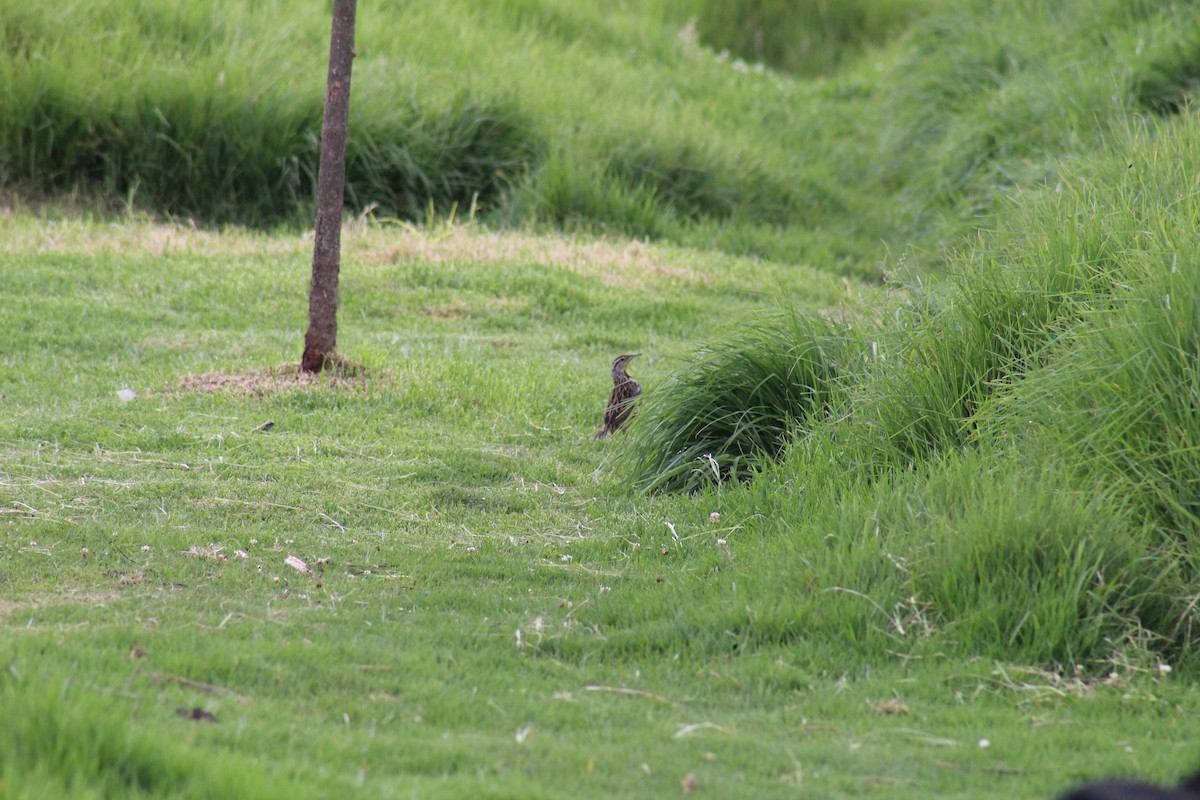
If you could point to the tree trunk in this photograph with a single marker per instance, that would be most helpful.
(321, 338)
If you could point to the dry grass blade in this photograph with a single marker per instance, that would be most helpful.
(630, 693)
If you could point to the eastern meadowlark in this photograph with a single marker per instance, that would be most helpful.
(620, 402)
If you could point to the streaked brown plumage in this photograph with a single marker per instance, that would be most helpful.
(620, 402)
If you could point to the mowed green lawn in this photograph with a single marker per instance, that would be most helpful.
(467, 545)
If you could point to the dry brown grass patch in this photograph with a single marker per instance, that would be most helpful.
(621, 263)
(138, 235)
(8, 607)
(628, 264)
(453, 311)
(271, 380)
(633, 265)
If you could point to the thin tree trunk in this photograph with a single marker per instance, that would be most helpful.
(321, 338)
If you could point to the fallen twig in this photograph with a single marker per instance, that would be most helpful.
(630, 692)
(688, 730)
(166, 677)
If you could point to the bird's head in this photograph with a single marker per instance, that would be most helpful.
(621, 363)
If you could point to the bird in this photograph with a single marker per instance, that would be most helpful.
(620, 402)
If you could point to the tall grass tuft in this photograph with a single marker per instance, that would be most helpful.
(1151, 435)
(1116, 393)
(1118, 399)
(1061, 576)
(571, 194)
(737, 404)
(406, 157)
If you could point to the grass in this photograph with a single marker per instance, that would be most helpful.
(487, 609)
(937, 536)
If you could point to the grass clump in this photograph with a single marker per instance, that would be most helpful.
(1117, 398)
(407, 159)
(1114, 394)
(575, 195)
(1065, 578)
(736, 405)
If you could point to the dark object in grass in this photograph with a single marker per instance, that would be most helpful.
(620, 402)
(196, 714)
(266, 426)
(1132, 790)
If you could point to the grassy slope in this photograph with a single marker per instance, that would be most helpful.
(642, 129)
(1028, 374)
(1058, 366)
